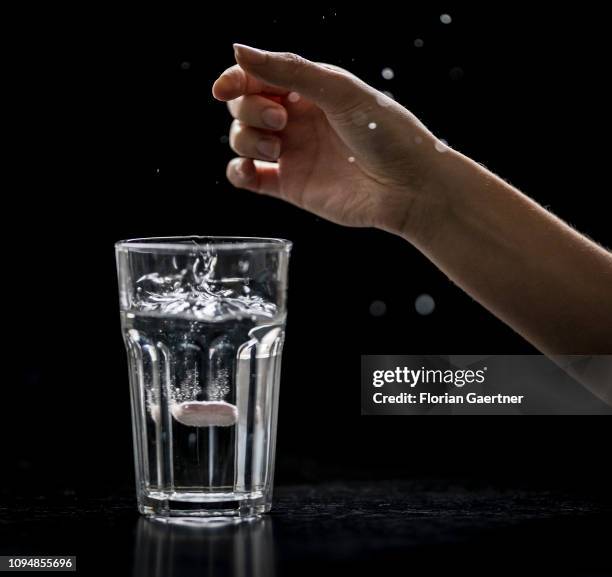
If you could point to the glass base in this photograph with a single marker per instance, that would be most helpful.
(204, 505)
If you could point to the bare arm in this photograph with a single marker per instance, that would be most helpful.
(337, 147)
(533, 271)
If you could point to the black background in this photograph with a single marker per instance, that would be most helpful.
(112, 136)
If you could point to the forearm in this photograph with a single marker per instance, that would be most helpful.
(533, 271)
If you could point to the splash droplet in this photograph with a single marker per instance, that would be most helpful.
(424, 304)
(378, 308)
(388, 74)
(445, 19)
(372, 125)
(441, 146)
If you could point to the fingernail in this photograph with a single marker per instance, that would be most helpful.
(249, 55)
(273, 118)
(268, 147)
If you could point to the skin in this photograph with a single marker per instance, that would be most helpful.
(346, 152)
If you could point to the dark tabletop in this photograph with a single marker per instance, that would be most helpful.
(396, 527)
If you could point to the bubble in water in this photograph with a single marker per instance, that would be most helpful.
(372, 125)
(418, 43)
(154, 412)
(445, 19)
(293, 97)
(387, 73)
(424, 304)
(378, 308)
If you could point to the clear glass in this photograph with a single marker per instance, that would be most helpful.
(203, 323)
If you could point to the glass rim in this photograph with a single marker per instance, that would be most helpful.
(181, 244)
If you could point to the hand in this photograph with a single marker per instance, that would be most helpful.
(322, 139)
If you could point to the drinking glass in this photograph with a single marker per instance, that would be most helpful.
(203, 322)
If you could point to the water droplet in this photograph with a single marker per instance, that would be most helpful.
(441, 146)
(384, 99)
(387, 73)
(418, 43)
(445, 19)
(351, 159)
(378, 308)
(224, 139)
(372, 125)
(185, 65)
(424, 304)
(293, 97)
(456, 73)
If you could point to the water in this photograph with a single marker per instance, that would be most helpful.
(204, 370)
(179, 365)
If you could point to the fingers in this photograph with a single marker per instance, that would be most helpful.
(235, 82)
(252, 143)
(258, 112)
(254, 175)
(333, 90)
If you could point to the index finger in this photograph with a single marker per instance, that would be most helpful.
(235, 82)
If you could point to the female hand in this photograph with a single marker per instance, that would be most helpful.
(320, 138)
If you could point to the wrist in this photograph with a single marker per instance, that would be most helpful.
(432, 203)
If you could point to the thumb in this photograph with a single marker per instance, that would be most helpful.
(335, 91)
